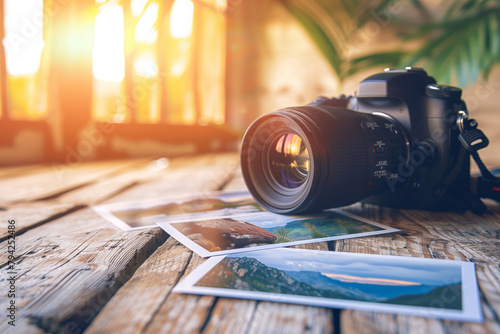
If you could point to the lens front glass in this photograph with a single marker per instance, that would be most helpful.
(289, 160)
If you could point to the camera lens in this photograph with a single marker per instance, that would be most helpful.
(289, 160)
(309, 158)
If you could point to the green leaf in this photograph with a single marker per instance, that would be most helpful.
(466, 46)
(379, 60)
(318, 35)
(460, 45)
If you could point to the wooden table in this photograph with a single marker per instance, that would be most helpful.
(78, 273)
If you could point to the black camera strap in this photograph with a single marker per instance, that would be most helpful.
(486, 185)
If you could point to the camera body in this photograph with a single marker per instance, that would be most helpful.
(396, 143)
(427, 113)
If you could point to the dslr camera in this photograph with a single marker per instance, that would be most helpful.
(402, 141)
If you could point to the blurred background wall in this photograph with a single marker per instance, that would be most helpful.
(97, 79)
(277, 58)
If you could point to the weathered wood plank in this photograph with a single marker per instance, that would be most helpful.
(286, 318)
(7, 172)
(69, 268)
(117, 183)
(39, 212)
(143, 172)
(440, 235)
(150, 285)
(162, 311)
(237, 183)
(51, 180)
(34, 214)
(200, 175)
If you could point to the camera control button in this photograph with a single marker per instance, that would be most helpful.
(371, 127)
(414, 69)
(391, 128)
(380, 169)
(379, 146)
(443, 92)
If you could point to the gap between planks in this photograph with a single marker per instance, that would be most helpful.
(53, 252)
(35, 213)
(163, 311)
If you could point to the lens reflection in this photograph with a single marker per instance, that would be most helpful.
(289, 161)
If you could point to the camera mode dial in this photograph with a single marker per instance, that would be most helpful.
(443, 92)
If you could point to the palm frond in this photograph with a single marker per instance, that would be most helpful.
(332, 24)
(463, 49)
(326, 45)
(461, 45)
(382, 59)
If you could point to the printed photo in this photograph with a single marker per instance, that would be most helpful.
(138, 215)
(391, 284)
(262, 230)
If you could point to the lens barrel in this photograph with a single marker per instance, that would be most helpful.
(306, 159)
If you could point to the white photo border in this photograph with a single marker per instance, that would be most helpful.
(172, 231)
(106, 210)
(471, 304)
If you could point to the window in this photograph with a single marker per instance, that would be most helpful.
(151, 67)
(159, 65)
(23, 43)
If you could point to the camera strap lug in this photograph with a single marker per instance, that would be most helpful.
(470, 136)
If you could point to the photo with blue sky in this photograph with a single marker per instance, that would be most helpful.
(387, 280)
(266, 228)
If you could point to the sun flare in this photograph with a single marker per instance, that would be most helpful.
(108, 55)
(23, 40)
(181, 19)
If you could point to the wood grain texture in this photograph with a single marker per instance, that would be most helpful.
(28, 216)
(149, 287)
(153, 281)
(198, 175)
(166, 312)
(69, 268)
(8, 172)
(438, 235)
(116, 183)
(73, 265)
(50, 181)
(35, 213)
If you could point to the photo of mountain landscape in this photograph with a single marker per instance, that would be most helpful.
(217, 235)
(434, 284)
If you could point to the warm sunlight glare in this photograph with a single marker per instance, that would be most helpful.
(181, 19)
(221, 4)
(369, 280)
(145, 66)
(137, 6)
(145, 30)
(23, 40)
(108, 57)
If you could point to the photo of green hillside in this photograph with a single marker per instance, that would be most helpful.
(334, 224)
(266, 228)
(436, 285)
